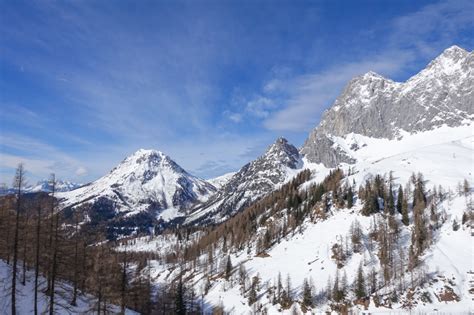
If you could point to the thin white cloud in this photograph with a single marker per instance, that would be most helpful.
(310, 94)
(81, 171)
(422, 34)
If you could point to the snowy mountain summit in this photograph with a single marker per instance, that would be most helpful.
(278, 164)
(148, 180)
(45, 186)
(377, 107)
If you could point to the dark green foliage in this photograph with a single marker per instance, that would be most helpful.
(228, 268)
(400, 199)
(252, 298)
(307, 295)
(359, 286)
(350, 197)
(337, 291)
(390, 206)
(180, 305)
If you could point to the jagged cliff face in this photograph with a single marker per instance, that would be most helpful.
(254, 180)
(371, 105)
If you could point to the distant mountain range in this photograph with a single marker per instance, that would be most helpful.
(371, 106)
(44, 186)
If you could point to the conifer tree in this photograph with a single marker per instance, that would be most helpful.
(400, 199)
(359, 287)
(228, 268)
(390, 201)
(405, 218)
(350, 197)
(307, 295)
(179, 300)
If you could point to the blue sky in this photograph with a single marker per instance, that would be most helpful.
(83, 84)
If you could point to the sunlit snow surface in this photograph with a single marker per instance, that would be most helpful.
(445, 156)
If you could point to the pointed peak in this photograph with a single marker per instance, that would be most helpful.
(142, 152)
(372, 74)
(454, 53)
(454, 49)
(282, 145)
(281, 140)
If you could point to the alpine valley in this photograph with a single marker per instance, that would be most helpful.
(373, 214)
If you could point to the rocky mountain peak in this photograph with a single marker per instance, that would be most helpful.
(374, 106)
(147, 181)
(257, 178)
(282, 152)
(454, 53)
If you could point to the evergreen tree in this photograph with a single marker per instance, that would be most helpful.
(350, 197)
(405, 218)
(228, 268)
(179, 300)
(337, 293)
(390, 201)
(400, 199)
(359, 287)
(252, 298)
(307, 295)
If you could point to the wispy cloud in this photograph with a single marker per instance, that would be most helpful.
(419, 35)
(90, 82)
(40, 159)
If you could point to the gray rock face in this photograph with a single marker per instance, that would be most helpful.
(371, 105)
(253, 181)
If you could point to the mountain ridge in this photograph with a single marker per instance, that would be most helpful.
(372, 105)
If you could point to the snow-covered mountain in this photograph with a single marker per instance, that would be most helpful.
(376, 126)
(148, 180)
(220, 181)
(280, 163)
(44, 186)
(373, 106)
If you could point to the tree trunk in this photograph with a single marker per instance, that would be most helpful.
(18, 182)
(76, 264)
(25, 241)
(54, 267)
(38, 228)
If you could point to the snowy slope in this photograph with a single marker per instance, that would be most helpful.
(25, 297)
(220, 181)
(444, 155)
(308, 255)
(146, 180)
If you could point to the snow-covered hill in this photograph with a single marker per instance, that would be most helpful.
(277, 165)
(148, 180)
